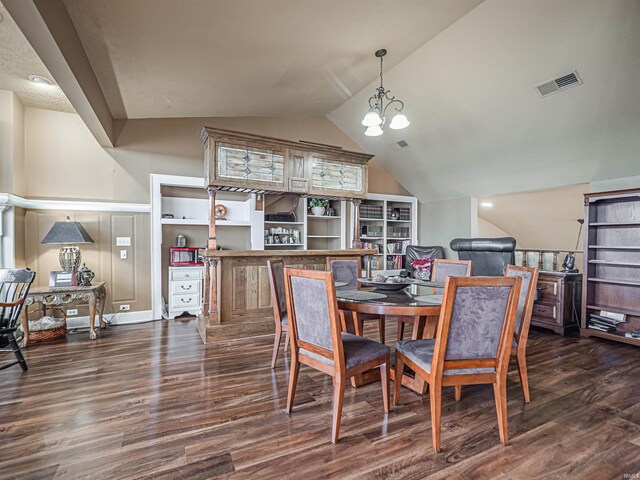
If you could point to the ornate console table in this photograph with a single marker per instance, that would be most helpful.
(59, 296)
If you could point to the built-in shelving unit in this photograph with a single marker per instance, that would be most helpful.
(388, 223)
(612, 262)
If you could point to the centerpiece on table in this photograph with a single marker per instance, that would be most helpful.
(422, 269)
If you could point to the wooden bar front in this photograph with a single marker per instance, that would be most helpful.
(243, 291)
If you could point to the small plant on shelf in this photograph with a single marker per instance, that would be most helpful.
(318, 206)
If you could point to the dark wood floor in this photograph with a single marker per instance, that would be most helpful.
(151, 401)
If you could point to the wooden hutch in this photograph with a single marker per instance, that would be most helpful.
(236, 281)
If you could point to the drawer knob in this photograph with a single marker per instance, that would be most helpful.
(185, 301)
(185, 288)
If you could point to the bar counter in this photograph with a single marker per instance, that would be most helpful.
(240, 291)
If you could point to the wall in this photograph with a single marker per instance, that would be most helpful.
(128, 281)
(442, 221)
(489, 230)
(63, 159)
(12, 176)
(615, 184)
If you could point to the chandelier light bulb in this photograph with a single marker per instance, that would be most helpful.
(399, 121)
(373, 131)
(371, 119)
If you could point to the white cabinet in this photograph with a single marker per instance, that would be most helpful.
(185, 290)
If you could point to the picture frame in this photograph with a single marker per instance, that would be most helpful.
(63, 279)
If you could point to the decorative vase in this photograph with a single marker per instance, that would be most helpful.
(318, 211)
(84, 276)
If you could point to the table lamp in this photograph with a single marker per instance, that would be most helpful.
(65, 233)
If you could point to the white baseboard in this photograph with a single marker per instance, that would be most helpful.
(119, 318)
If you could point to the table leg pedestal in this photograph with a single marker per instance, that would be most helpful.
(92, 319)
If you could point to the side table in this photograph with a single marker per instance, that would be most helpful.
(59, 296)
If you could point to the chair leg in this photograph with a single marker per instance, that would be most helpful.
(397, 382)
(286, 340)
(400, 329)
(276, 347)
(384, 379)
(357, 323)
(524, 376)
(293, 383)
(435, 397)
(338, 399)
(458, 392)
(500, 393)
(381, 327)
(18, 353)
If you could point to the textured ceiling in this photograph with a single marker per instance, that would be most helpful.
(479, 126)
(17, 61)
(162, 58)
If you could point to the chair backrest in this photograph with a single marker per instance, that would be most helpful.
(345, 269)
(529, 278)
(476, 323)
(313, 313)
(418, 252)
(490, 256)
(275, 268)
(14, 287)
(449, 268)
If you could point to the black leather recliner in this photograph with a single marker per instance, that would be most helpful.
(489, 256)
(417, 252)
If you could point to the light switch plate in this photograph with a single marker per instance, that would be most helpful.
(123, 254)
(123, 241)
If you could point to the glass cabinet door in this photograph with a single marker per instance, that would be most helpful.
(249, 164)
(336, 176)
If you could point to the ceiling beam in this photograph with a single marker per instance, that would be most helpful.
(48, 28)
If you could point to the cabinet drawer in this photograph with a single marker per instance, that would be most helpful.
(185, 301)
(548, 289)
(185, 287)
(186, 274)
(542, 310)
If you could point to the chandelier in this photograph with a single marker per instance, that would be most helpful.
(375, 118)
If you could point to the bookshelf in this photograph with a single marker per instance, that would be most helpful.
(388, 223)
(611, 282)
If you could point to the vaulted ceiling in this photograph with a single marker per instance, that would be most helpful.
(466, 70)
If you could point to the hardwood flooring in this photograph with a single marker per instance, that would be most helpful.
(150, 401)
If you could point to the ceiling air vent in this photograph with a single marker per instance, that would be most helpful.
(395, 146)
(561, 83)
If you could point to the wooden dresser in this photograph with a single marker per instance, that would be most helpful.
(559, 298)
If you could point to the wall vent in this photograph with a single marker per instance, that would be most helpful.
(561, 83)
(395, 146)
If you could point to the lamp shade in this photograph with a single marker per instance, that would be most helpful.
(373, 131)
(399, 121)
(371, 119)
(67, 232)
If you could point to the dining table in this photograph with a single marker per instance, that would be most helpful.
(420, 301)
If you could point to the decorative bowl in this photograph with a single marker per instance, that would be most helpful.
(389, 286)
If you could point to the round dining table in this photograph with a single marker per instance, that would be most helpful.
(417, 303)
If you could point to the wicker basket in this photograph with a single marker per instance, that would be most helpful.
(50, 334)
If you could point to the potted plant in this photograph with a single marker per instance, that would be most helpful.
(318, 206)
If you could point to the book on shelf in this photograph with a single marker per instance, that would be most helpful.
(604, 320)
(593, 325)
(633, 334)
(403, 213)
(394, 262)
(368, 210)
(398, 247)
(398, 231)
(371, 246)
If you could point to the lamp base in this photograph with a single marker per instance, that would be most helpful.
(69, 258)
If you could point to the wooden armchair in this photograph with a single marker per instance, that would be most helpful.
(529, 278)
(442, 269)
(347, 269)
(14, 287)
(472, 345)
(275, 268)
(317, 340)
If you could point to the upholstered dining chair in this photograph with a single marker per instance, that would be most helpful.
(472, 345)
(441, 270)
(529, 278)
(347, 269)
(317, 340)
(275, 268)
(14, 287)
